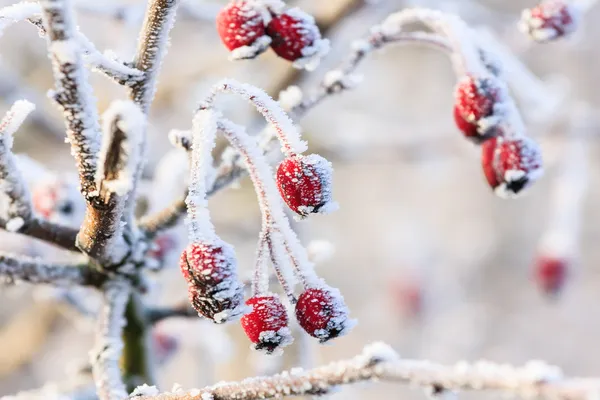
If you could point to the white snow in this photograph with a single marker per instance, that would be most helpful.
(64, 50)
(14, 224)
(145, 390)
(17, 12)
(246, 52)
(290, 97)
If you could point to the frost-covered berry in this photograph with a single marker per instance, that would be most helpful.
(511, 164)
(474, 108)
(296, 37)
(241, 26)
(322, 313)
(266, 325)
(305, 184)
(161, 247)
(211, 272)
(58, 200)
(550, 20)
(550, 273)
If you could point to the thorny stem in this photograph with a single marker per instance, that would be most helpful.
(379, 363)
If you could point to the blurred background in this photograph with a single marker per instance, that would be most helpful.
(428, 258)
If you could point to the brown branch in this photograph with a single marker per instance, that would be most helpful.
(73, 91)
(58, 235)
(379, 363)
(36, 270)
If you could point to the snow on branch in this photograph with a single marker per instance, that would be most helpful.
(152, 47)
(119, 158)
(378, 362)
(13, 189)
(17, 12)
(73, 91)
(36, 270)
(106, 354)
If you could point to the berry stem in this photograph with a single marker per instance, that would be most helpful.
(260, 283)
(287, 133)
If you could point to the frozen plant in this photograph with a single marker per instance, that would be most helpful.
(112, 250)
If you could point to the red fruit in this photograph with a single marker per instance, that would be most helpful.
(408, 296)
(161, 247)
(550, 273)
(164, 345)
(321, 312)
(550, 20)
(267, 324)
(295, 35)
(511, 164)
(305, 183)
(211, 272)
(474, 107)
(241, 27)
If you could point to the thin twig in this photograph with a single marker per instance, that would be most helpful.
(379, 363)
(37, 270)
(108, 348)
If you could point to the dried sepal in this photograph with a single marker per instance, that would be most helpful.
(322, 313)
(304, 183)
(210, 268)
(266, 325)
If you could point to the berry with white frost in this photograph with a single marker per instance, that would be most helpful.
(305, 183)
(550, 20)
(511, 164)
(296, 37)
(241, 26)
(211, 272)
(474, 115)
(322, 313)
(266, 325)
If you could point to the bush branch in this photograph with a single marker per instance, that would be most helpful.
(106, 354)
(37, 270)
(379, 363)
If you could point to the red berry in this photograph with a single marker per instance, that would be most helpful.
(162, 245)
(241, 27)
(474, 107)
(408, 296)
(164, 345)
(211, 272)
(550, 273)
(267, 324)
(305, 183)
(550, 20)
(511, 164)
(322, 313)
(295, 35)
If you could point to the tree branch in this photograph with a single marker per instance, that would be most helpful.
(36, 270)
(73, 91)
(107, 351)
(379, 363)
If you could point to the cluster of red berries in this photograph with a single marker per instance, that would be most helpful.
(510, 164)
(248, 27)
(550, 20)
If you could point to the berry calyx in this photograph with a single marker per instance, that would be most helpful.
(474, 108)
(510, 165)
(322, 313)
(296, 37)
(241, 26)
(266, 325)
(304, 183)
(550, 20)
(550, 273)
(211, 272)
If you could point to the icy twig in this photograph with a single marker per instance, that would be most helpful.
(17, 12)
(37, 270)
(73, 91)
(12, 185)
(107, 351)
(106, 63)
(119, 157)
(379, 363)
(184, 309)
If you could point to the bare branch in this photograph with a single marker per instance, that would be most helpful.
(108, 348)
(73, 91)
(119, 156)
(379, 362)
(36, 270)
(184, 309)
(47, 231)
